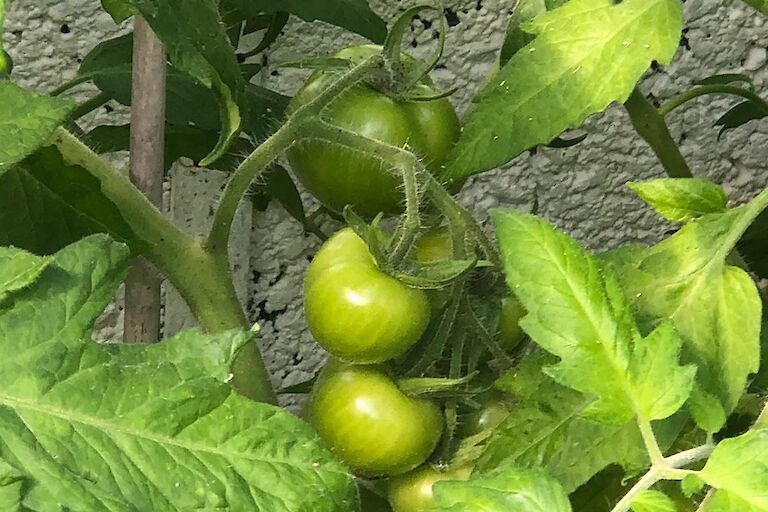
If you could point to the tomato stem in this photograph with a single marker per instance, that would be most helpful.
(261, 157)
(650, 125)
(204, 280)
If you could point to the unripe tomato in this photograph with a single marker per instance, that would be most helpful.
(370, 424)
(355, 311)
(510, 333)
(492, 414)
(339, 176)
(412, 492)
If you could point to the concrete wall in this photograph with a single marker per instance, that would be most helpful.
(580, 189)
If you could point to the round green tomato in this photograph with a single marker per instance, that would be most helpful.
(356, 312)
(340, 176)
(488, 417)
(433, 246)
(510, 333)
(412, 492)
(370, 424)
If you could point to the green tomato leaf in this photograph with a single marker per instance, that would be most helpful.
(587, 54)
(739, 115)
(738, 469)
(652, 501)
(506, 489)
(18, 269)
(120, 10)
(108, 65)
(27, 120)
(548, 430)
(46, 204)
(129, 428)
(354, 15)
(197, 44)
(682, 199)
(715, 307)
(11, 482)
(517, 37)
(577, 311)
(760, 5)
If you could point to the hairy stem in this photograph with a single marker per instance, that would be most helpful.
(650, 125)
(202, 279)
(265, 154)
(683, 98)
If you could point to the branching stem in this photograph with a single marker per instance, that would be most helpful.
(265, 154)
(667, 469)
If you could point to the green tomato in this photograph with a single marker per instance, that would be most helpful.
(364, 418)
(412, 492)
(492, 414)
(434, 245)
(355, 311)
(339, 176)
(510, 333)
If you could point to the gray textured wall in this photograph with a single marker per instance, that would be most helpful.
(580, 189)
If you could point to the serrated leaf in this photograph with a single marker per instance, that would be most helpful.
(586, 55)
(578, 312)
(682, 199)
(739, 115)
(118, 9)
(760, 5)
(652, 501)
(715, 307)
(517, 37)
(504, 490)
(548, 430)
(738, 469)
(108, 65)
(27, 120)
(18, 269)
(354, 15)
(46, 204)
(197, 44)
(135, 428)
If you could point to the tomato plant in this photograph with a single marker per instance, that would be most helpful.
(382, 317)
(626, 379)
(339, 176)
(370, 424)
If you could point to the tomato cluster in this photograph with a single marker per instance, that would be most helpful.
(359, 308)
(365, 319)
(340, 176)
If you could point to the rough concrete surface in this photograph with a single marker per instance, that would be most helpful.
(581, 189)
